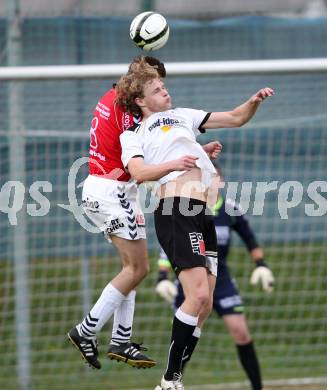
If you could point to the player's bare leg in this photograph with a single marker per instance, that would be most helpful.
(238, 329)
(135, 268)
(134, 257)
(83, 336)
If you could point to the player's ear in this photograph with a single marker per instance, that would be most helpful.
(139, 102)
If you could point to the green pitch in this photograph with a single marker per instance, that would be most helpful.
(288, 326)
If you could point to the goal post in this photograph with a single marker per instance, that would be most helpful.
(275, 167)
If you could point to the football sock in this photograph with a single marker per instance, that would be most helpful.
(182, 330)
(249, 361)
(100, 313)
(123, 320)
(191, 346)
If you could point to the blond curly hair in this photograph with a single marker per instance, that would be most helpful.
(131, 85)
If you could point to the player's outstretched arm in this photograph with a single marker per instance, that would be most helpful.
(241, 114)
(143, 172)
(261, 274)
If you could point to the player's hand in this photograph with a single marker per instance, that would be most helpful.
(185, 163)
(262, 94)
(213, 149)
(262, 274)
(167, 290)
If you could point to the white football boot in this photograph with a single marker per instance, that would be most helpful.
(175, 384)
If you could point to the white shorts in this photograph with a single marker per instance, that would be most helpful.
(113, 207)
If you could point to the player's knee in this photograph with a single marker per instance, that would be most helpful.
(208, 306)
(144, 270)
(202, 299)
(204, 313)
(241, 336)
(140, 270)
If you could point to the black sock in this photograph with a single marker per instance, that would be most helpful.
(189, 351)
(249, 361)
(181, 334)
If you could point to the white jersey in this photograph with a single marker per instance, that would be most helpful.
(166, 136)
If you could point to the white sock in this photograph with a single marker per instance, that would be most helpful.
(123, 320)
(100, 313)
(197, 332)
(186, 318)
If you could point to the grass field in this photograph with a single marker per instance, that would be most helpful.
(289, 326)
(244, 386)
(301, 387)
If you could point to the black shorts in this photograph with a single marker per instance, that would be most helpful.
(186, 233)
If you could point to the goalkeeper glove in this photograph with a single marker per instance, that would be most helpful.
(165, 288)
(263, 274)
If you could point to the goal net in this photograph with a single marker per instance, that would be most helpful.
(52, 269)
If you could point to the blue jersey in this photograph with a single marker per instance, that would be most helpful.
(226, 223)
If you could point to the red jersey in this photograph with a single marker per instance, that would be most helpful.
(108, 122)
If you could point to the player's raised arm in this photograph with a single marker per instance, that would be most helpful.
(241, 114)
(262, 274)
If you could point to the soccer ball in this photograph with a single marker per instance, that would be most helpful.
(149, 31)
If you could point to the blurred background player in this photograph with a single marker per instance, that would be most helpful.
(227, 301)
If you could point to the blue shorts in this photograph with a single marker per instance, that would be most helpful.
(226, 297)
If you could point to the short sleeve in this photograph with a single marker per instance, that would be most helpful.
(198, 118)
(132, 146)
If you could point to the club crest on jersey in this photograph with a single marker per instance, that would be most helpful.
(197, 243)
(165, 124)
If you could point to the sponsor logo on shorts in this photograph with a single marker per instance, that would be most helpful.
(91, 205)
(197, 243)
(113, 225)
(234, 300)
